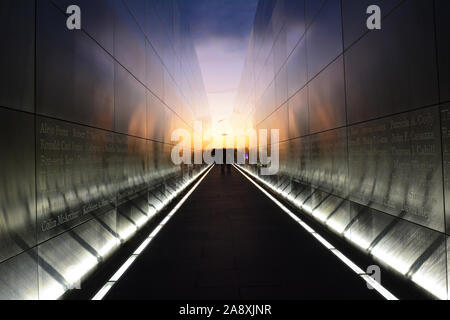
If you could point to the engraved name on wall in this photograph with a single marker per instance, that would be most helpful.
(75, 174)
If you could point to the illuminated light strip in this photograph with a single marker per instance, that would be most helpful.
(328, 245)
(103, 291)
(377, 286)
(116, 277)
(143, 246)
(123, 269)
(349, 263)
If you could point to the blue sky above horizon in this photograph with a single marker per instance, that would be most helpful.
(221, 32)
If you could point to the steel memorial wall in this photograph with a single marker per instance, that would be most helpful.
(364, 123)
(85, 123)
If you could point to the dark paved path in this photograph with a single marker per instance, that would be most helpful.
(229, 241)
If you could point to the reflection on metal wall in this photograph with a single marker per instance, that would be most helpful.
(85, 123)
(365, 118)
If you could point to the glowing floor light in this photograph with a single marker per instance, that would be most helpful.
(377, 286)
(116, 277)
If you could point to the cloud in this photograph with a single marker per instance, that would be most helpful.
(221, 32)
(219, 18)
(221, 62)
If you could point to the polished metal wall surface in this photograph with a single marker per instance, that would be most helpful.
(364, 123)
(85, 124)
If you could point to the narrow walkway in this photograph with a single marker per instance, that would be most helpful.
(229, 241)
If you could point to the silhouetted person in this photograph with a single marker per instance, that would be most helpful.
(224, 160)
(224, 163)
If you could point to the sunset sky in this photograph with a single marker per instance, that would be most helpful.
(221, 31)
